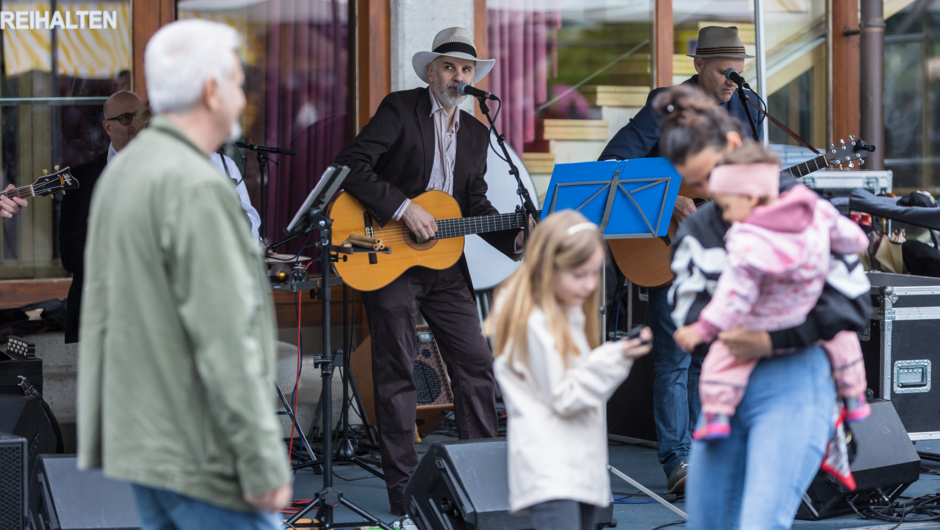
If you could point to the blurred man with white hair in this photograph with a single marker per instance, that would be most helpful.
(176, 366)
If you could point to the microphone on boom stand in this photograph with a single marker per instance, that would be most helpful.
(732, 75)
(262, 152)
(465, 89)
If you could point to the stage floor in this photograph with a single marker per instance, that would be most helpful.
(640, 463)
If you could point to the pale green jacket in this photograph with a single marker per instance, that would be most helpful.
(176, 361)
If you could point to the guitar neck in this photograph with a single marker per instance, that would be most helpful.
(23, 192)
(478, 225)
(801, 170)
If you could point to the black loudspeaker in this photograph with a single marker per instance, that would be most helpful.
(72, 499)
(464, 486)
(13, 482)
(885, 464)
(24, 416)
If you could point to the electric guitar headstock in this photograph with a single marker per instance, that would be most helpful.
(47, 184)
(847, 154)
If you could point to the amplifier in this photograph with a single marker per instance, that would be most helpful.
(13, 482)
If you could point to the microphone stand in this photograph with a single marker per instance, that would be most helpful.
(261, 151)
(750, 119)
(521, 190)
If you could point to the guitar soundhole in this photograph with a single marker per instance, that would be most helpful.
(415, 242)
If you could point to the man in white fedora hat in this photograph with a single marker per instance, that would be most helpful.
(676, 373)
(417, 141)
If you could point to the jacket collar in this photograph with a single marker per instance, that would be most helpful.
(160, 123)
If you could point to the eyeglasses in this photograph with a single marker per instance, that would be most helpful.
(124, 119)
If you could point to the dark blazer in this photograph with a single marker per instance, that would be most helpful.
(640, 137)
(392, 157)
(73, 228)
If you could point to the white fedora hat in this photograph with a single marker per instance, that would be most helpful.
(452, 42)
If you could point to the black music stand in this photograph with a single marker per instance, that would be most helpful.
(313, 216)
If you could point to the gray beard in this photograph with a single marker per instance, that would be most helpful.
(235, 132)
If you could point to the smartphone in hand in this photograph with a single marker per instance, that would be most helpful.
(635, 334)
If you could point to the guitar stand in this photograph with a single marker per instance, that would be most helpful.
(328, 498)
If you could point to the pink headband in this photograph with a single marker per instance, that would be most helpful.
(752, 180)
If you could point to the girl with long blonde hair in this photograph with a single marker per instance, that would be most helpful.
(556, 377)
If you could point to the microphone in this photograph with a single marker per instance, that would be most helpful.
(464, 89)
(732, 75)
(266, 149)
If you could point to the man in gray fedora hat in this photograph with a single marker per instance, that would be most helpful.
(675, 381)
(417, 141)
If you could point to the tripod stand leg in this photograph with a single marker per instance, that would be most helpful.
(290, 413)
(364, 514)
(647, 491)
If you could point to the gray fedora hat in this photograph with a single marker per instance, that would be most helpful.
(716, 41)
(452, 42)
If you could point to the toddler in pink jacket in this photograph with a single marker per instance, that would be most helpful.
(778, 256)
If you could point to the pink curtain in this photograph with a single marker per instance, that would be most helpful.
(522, 40)
(305, 100)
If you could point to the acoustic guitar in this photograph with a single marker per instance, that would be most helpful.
(371, 271)
(645, 262)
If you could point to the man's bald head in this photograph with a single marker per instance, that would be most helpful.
(121, 105)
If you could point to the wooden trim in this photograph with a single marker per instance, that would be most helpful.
(574, 129)
(374, 26)
(539, 163)
(845, 69)
(663, 43)
(147, 17)
(16, 293)
(616, 96)
(481, 39)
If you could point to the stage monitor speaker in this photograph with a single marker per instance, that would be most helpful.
(73, 499)
(13, 482)
(435, 397)
(885, 464)
(464, 486)
(24, 416)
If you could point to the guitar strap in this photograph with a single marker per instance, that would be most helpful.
(786, 129)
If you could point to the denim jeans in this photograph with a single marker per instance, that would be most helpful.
(757, 477)
(165, 510)
(676, 400)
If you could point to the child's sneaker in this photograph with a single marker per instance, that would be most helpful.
(712, 427)
(856, 408)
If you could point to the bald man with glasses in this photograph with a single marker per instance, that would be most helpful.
(124, 115)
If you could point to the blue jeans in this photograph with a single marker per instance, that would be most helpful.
(757, 476)
(676, 400)
(165, 510)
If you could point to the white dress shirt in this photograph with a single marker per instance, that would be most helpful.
(557, 431)
(222, 162)
(445, 153)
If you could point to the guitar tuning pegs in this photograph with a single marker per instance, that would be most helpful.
(56, 168)
(851, 165)
(841, 168)
(45, 171)
(861, 162)
(842, 142)
(832, 147)
(851, 137)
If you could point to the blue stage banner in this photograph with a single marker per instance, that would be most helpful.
(625, 198)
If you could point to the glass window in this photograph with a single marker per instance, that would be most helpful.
(58, 67)
(295, 54)
(912, 96)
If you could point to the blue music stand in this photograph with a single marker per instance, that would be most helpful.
(627, 199)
